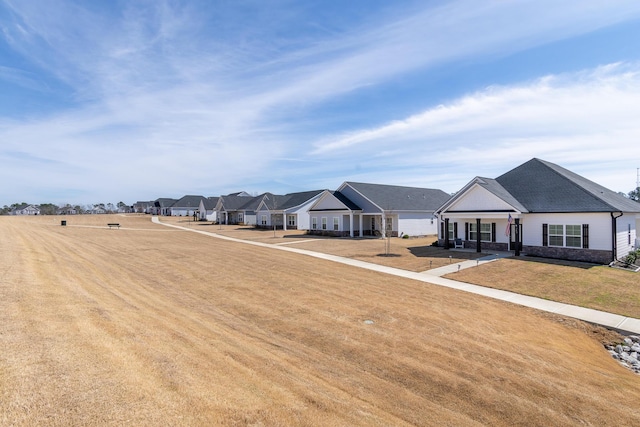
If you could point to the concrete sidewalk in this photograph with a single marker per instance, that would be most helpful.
(609, 320)
(457, 266)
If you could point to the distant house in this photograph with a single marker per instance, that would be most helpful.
(67, 210)
(207, 209)
(393, 210)
(185, 206)
(541, 209)
(143, 207)
(230, 209)
(25, 209)
(288, 212)
(162, 206)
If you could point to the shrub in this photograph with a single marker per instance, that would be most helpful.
(632, 257)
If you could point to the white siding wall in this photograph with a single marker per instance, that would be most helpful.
(627, 234)
(599, 227)
(415, 224)
(303, 219)
(479, 199)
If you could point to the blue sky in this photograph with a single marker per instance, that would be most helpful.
(108, 101)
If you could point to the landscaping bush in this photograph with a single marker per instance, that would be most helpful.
(632, 257)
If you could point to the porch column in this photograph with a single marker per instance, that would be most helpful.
(384, 225)
(351, 223)
(478, 236)
(446, 233)
(360, 232)
(284, 221)
(517, 221)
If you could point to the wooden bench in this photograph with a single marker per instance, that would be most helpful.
(114, 224)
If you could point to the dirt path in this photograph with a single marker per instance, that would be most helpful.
(149, 326)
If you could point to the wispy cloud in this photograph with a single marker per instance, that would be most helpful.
(182, 96)
(585, 118)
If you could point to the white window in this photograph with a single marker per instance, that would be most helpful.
(336, 223)
(574, 236)
(451, 229)
(314, 223)
(324, 223)
(556, 235)
(291, 220)
(485, 231)
(240, 217)
(263, 219)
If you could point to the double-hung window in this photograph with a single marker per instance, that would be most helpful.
(565, 235)
(336, 223)
(291, 220)
(556, 235)
(314, 223)
(485, 231)
(324, 223)
(574, 236)
(263, 219)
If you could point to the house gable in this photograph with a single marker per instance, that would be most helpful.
(333, 201)
(479, 199)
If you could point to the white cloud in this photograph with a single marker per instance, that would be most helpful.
(578, 120)
(165, 104)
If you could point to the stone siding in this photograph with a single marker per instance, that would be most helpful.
(571, 254)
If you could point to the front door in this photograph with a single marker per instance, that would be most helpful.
(512, 237)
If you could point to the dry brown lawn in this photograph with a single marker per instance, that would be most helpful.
(415, 254)
(586, 285)
(148, 325)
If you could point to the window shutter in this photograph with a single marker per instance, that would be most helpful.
(455, 230)
(585, 236)
(442, 229)
(493, 231)
(545, 234)
(466, 231)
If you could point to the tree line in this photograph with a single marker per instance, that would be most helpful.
(53, 209)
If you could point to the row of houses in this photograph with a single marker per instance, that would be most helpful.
(29, 209)
(537, 208)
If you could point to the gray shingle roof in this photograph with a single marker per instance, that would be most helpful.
(164, 202)
(189, 201)
(401, 198)
(292, 200)
(346, 201)
(541, 186)
(233, 203)
(210, 202)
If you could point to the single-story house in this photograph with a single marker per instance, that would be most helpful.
(230, 209)
(207, 209)
(25, 209)
(67, 210)
(143, 207)
(162, 206)
(333, 214)
(185, 206)
(288, 212)
(541, 209)
(393, 210)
